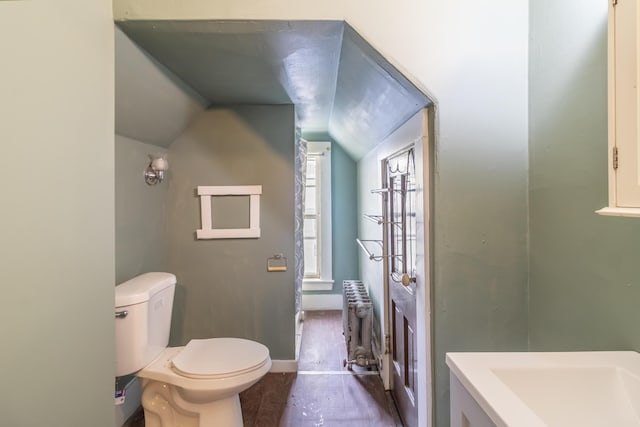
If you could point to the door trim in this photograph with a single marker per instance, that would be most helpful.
(417, 132)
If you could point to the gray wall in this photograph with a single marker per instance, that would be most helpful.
(141, 218)
(585, 286)
(223, 286)
(57, 246)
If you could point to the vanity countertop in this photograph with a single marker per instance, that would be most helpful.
(530, 389)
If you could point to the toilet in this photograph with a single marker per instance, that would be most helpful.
(195, 385)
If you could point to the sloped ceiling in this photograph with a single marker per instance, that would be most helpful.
(151, 104)
(338, 82)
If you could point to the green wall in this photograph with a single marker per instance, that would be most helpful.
(479, 271)
(343, 217)
(57, 247)
(141, 217)
(584, 272)
(371, 272)
(223, 286)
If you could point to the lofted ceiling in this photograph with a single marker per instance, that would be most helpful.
(168, 71)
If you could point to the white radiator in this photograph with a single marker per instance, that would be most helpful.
(357, 324)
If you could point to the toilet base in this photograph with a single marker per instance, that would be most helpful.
(164, 407)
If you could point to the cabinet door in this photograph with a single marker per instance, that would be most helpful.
(623, 107)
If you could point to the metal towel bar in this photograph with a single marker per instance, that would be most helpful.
(370, 255)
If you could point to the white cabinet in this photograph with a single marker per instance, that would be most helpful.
(624, 109)
(465, 411)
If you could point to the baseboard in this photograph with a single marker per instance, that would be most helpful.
(321, 302)
(317, 285)
(279, 366)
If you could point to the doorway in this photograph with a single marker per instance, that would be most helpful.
(404, 164)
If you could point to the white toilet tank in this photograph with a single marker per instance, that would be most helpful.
(143, 320)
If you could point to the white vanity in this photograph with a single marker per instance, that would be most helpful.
(587, 389)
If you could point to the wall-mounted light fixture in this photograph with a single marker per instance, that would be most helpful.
(158, 165)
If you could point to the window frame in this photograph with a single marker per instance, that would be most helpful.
(623, 109)
(321, 151)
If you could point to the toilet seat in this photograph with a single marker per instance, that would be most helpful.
(170, 388)
(219, 357)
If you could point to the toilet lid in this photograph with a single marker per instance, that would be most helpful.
(216, 357)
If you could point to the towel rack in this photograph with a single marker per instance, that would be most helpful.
(370, 255)
(375, 218)
(380, 190)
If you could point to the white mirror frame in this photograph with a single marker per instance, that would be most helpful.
(208, 232)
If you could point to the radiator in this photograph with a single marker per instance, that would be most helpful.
(357, 324)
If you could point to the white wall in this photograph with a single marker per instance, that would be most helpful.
(57, 244)
(227, 9)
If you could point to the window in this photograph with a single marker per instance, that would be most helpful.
(624, 109)
(312, 226)
(317, 218)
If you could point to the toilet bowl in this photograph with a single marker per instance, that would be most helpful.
(196, 385)
(201, 382)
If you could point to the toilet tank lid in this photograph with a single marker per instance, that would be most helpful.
(141, 288)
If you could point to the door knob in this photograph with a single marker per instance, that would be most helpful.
(407, 280)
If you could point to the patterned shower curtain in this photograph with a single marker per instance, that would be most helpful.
(300, 177)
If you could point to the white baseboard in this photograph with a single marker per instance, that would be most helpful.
(317, 285)
(321, 302)
(279, 366)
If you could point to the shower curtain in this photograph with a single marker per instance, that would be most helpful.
(300, 177)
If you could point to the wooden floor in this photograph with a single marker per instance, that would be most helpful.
(322, 392)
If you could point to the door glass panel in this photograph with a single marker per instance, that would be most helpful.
(402, 213)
